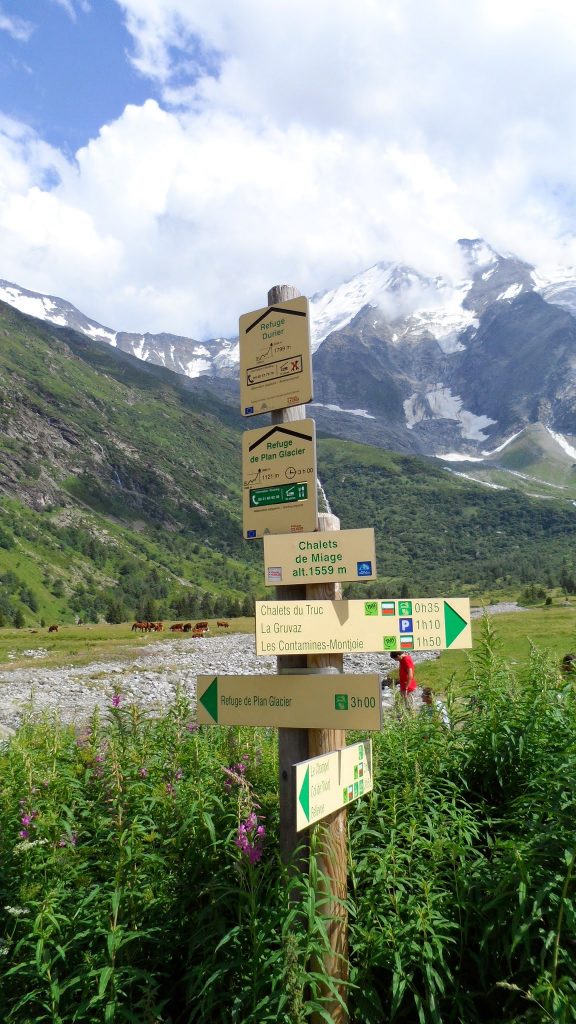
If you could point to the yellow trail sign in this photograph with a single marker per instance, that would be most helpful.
(279, 479)
(292, 702)
(336, 556)
(326, 783)
(327, 627)
(275, 357)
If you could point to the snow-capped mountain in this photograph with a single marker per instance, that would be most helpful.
(447, 367)
(218, 357)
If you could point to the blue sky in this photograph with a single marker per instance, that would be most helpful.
(68, 73)
(164, 162)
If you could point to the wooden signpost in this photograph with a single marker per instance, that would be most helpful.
(308, 626)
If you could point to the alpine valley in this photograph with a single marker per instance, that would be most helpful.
(446, 412)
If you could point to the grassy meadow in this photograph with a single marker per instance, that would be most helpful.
(140, 878)
(551, 628)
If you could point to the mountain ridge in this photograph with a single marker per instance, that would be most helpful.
(405, 361)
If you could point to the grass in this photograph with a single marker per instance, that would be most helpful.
(81, 645)
(140, 881)
(552, 629)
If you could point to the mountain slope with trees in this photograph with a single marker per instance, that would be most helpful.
(120, 496)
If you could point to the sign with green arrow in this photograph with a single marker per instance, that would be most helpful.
(326, 783)
(291, 701)
(334, 627)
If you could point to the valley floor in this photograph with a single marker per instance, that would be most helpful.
(152, 677)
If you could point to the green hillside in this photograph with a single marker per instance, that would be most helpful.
(120, 495)
(118, 482)
(438, 532)
(532, 463)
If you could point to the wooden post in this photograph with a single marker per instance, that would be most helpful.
(332, 855)
(292, 743)
(296, 745)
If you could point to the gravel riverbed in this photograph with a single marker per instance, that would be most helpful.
(151, 678)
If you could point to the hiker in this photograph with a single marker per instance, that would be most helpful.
(406, 677)
(434, 708)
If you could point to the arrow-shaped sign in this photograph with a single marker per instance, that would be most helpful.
(332, 780)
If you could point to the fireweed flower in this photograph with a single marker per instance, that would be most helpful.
(250, 838)
(143, 773)
(192, 727)
(116, 700)
(68, 839)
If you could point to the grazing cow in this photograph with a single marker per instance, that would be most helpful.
(201, 625)
(222, 623)
(177, 627)
(187, 627)
(52, 629)
(158, 627)
(198, 632)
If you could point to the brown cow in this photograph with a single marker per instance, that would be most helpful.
(198, 632)
(52, 629)
(177, 627)
(201, 625)
(222, 623)
(187, 627)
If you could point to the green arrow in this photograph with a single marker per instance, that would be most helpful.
(304, 795)
(209, 699)
(453, 622)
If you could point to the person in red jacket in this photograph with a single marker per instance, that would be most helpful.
(406, 676)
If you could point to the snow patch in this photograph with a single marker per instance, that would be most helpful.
(457, 457)
(564, 444)
(445, 319)
(32, 305)
(196, 367)
(101, 333)
(138, 349)
(351, 412)
(483, 483)
(440, 403)
(510, 292)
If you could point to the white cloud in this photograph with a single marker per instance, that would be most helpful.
(301, 143)
(16, 27)
(73, 6)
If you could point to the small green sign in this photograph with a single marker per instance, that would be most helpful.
(389, 643)
(260, 497)
(370, 607)
(404, 607)
(341, 701)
